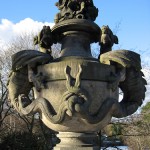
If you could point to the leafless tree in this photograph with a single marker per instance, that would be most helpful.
(10, 120)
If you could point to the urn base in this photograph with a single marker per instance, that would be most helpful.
(78, 141)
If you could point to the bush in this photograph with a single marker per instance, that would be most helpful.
(24, 141)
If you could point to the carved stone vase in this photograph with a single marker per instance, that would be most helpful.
(80, 90)
(76, 94)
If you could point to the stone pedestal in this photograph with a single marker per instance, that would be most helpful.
(78, 141)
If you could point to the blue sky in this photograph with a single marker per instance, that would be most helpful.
(132, 16)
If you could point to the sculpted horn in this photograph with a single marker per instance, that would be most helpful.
(133, 85)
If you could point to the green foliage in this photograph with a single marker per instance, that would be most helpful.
(113, 129)
(146, 107)
(24, 141)
(117, 129)
(18, 141)
(146, 112)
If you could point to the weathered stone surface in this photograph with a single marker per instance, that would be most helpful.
(76, 93)
(97, 85)
(44, 39)
(92, 69)
(79, 9)
(82, 26)
(107, 40)
(78, 141)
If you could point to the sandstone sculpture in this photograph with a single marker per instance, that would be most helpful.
(107, 39)
(80, 9)
(44, 40)
(76, 94)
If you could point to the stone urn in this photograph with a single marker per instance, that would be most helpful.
(76, 94)
(77, 86)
